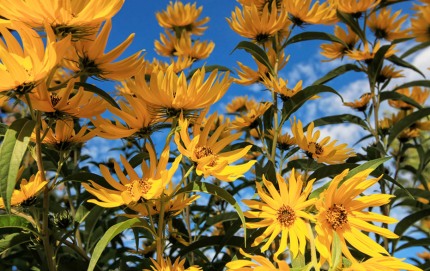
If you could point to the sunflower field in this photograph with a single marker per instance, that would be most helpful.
(116, 161)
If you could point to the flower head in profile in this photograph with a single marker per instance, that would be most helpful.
(258, 26)
(249, 119)
(257, 263)
(207, 150)
(366, 55)
(132, 189)
(300, 12)
(337, 50)
(63, 137)
(27, 191)
(240, 104)
(420, 23)
(388, 72)
(66, 102)
(282, 211)
(279, 86)
(417, 94)
(343, 211)
(89, 58)
(353, 6)
(360, 104)
(171, 94)
(284, 141)
(23, 65)
(166, 265)
(384, 263)
(194, 49)
(77, 17)
(323, 151)
(179, 17)
(388, 26)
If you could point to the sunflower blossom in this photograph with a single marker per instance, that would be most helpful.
(323, 151)
(388, 26)
(420, 23)
(132, 189)
(300, 12)
(27, 191)
(381, 264)
(207, 150)
(342, 211)
(282, 212)
(166, 265)
(336, 50)
(257, 263)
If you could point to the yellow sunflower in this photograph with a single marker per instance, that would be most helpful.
(360, 104)
(179, 17)
(279, 86)
(257, 263)
(381, 264)
(166, 46)
(166, 265)
(63, 137)
(353, 6)
(367, 55)
(132, 189)
(66, 102)
(284, 141)
(323, 151)
(239, 104)
(420, 23)
(388, 26)
(77, 17)
(170, 93)
(249, 119)
(282, 212)
(342, 211)
(258, 26)
(336, 50)
(418, 94)
(300, 12)
(89, 58)
(207, 150)
(25, 64)
(389, 72)
(195, 50)
(27, 191)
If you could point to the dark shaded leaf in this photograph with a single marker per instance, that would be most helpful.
(336, 72)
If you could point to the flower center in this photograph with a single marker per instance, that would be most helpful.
(203, 151)
(315, 147)
(286, 216)
(55, 99)
(337, 216)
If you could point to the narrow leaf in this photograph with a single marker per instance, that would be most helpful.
(336, 252)
(405, 123)
(107, 237)
(377, 63)
(418, 83)
(352, 23)
(415, 49)
(313, 36)
(98, 91)
(337, 72)
(339, 119)
(392, 95)
(408, 221)
(12, 151)
(400, 62)
(258, 53)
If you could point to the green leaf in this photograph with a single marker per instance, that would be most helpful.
(12, 151)
(415, 49)
(400, 62)
(313, 36)
(418, 83)
(98, 91)
(298, 262)
(107, 237)
(294, 103)
(392, 95)
(336, 252)
(209, 241)
(352, 23)
(3, 129)
(330, 170)
(415, 243)
(377, 63)
(216, 191)
(407, 222)
(258, 53)
(14, 239)
(372, 164)
(209, 68)
(406, 122)
(210, 221)
(11, 223)
(337, 72)
(339, 119)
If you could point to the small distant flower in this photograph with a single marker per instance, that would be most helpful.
(166, 46)
(341, 210)
(166, 265)
(361, 104)
(418, 94)
(90, 60)
(207, 150)
(388, 26)
(282, 212)
(249, 119)
(424, 255)
(336, 50)
(195, 50)
(300, 12)
(323, 151)
(133, 189)
(256, 263)
(381, 264)
(240, 104)
(366, 55)
(284, 141)
(258, 26)
(179, 17)
(27, 192)
(388, 72)
(279, 86)
(353, 6)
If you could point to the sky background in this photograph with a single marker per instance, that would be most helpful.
(305, 64)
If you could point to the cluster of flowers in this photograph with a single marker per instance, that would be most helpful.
(47, 55)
